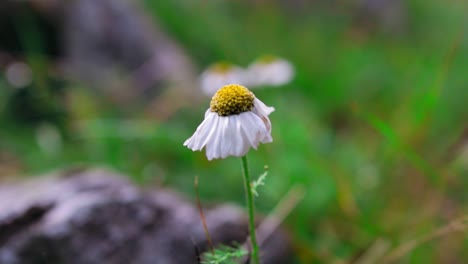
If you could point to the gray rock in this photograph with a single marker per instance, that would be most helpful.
(110, 42)
(96, 216)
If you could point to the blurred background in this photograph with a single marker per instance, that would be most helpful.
(373, 125)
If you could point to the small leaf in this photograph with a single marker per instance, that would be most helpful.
(260, 181)
(224, 255)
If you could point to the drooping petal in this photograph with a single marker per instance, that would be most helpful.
(240, 147)
(207, 131)
(212, 147)
(264, 123)
(233, 143)
(267, 138)
(252, 128)
(228, 141)
(203, 132)
(213, 130)
(263, 111)
(243, 144)
(220, 139)
(261, 108)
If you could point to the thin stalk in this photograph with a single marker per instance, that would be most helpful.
(250, 205)
(202, 216)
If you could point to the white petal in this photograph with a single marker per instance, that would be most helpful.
(239, 148)
(263, 112)
(267, 138)
(254, 130)
(243, 144)
(204, 133)
(213, 130)
(262, 108)
(265, 132)
(228, 135)
(198, 140)
(207, 112)
(251, 128)
(230, 141)
(215, 142)
(201, 133)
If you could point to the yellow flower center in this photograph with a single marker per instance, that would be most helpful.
(267, 59)
(232, 99)
(221, 67)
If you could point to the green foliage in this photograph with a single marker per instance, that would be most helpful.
(224, 255)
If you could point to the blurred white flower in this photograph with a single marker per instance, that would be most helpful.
(220, 74)
(49, 139)
(235, 122)
(271, 71)
(18, 74)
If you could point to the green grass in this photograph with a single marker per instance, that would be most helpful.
(371, 126)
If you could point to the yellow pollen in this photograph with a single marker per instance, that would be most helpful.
(232, 99)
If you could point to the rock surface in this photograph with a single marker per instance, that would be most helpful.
(96, 216)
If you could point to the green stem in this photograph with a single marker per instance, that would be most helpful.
(250, 205)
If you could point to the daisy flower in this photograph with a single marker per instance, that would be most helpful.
(235, 122)
(270, 70)
(220, 74)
